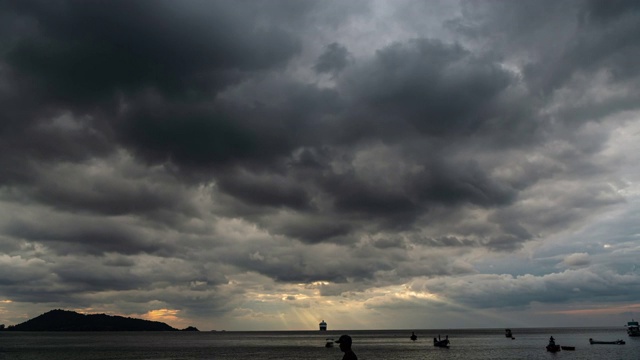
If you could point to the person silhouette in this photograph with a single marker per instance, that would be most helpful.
(345, 346)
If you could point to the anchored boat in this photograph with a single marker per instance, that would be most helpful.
(632, 328)
(444, 343)
(552, 346)
(615, 342)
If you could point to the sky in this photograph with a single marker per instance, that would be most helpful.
(266, 165)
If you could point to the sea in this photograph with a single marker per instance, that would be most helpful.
(528, 343)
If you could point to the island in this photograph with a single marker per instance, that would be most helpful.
(65, 320)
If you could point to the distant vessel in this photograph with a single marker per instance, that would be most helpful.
(443, 343)
(507, 333)
(552, 346)
(323, 326)
(615, 342)
(632, 328)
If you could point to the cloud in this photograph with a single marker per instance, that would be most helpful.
(334, 59)
(164, 47)
(497, 291)
(210, 159)
(577, 260)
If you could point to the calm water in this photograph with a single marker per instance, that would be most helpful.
(370, 344)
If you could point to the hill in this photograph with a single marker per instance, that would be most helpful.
(63, 320)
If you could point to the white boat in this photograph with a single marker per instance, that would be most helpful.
(323, 326)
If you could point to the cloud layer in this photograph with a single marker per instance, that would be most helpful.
(238, 164)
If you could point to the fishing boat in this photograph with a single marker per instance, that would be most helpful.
(413, 336)
(632, 328)
(444, 343)
(568, 348)
(507, 333)
(615, 342)
(553, 348)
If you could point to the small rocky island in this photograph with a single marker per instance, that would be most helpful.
(64, 320)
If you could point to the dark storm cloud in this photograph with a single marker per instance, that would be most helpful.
(266, 190)
(87, 50)
(25, 135)
(91, 276)
(154, 72)
(579, 38)
(239, 130)
(610, 10)
(435, 88)
(313, 229)
(567, 286)
(420, 84)
(111, 196)
(93, 236)
(446, 241)
(357, 196)
(86, 59)
(195, 138)
(454, 183)
(156, 149)
(334, 59)
(439, 89)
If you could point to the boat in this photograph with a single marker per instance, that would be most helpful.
(441, 343)
(632, 328)
(568, 348)
(507, 333)
(553, 348)
(444, 343)
(413, 336)
(329, 343)
(615, 342)
(323, 326)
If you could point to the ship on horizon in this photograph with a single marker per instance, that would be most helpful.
(633, 329)
(323, 326)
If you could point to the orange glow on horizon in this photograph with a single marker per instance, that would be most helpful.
(162, 315)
